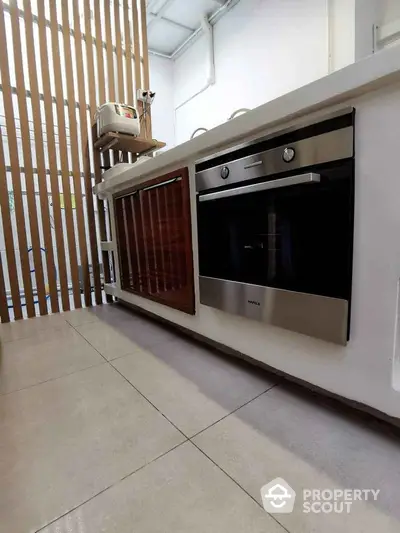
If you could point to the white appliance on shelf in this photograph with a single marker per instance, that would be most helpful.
(115, 117)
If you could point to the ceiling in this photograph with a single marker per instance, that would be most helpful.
(172, 25)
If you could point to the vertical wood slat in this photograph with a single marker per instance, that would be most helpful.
(110, 53)
(136, 52)
(85, 150)
(63, 156)
(15, 173)
(123, 243)
(118, 44)
(40, 161)
(146, 70)
(51, 148)
(8, 236)
(112, 96)
(92, 99)
(161, 240)
(75, 155)
(110, 60)
(130, 237)
(145, 46)
(128, 56)
(99, 49)
(27, 155)
(4, 314)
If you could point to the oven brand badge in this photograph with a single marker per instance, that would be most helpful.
(253, 302)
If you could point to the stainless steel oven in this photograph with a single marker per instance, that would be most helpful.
(275, 229)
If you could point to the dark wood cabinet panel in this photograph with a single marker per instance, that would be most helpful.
(155, 241)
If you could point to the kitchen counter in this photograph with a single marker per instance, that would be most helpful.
(367, 370)
(372, 73)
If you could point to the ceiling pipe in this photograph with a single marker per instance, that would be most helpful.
(219, 13)
(212, 20)
(208, 30)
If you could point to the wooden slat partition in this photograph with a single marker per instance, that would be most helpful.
(27, 154)
(48, 213)
(51, 152)
(73, 134)
(40, 161)
(8, 236)
(63, 156)
(16, 181)
(85, 147)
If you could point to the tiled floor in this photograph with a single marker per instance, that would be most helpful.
(112, 423)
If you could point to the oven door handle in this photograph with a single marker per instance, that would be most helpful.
(299, 179)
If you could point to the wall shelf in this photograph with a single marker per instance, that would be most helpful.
(127, 143)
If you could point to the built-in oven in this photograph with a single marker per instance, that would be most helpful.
(275, 229)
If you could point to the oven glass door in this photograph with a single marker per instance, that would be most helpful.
(297, 237)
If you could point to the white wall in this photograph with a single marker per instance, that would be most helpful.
(161, 81)
(390, 10)
(263, 48)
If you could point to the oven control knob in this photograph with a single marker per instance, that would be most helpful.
(288, 154)
(224, 172)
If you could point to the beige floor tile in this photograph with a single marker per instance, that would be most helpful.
(47, 355)
(279, 435)
(78, 317)
(30, 327)
(182, 492)
(182, 399)
(66, 440)
(108, 340)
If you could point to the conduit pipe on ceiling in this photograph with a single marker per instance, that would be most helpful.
(208, 30)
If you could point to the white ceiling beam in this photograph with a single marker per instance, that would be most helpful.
(225, 6)
(169, 21)
(213, 19)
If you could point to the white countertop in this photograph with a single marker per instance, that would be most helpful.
(369, 74)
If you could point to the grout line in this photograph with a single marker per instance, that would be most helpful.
(234, 411)
(151, 403)
(133, 386)
(57, 377)
(110, 486)
(236, 483)
(110, 362)
(91, 345)
(50, 379)
(28, 335)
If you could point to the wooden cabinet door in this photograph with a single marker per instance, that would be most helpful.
(154, 239)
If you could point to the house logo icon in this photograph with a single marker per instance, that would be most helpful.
(278, 496)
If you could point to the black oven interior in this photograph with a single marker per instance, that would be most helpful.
(297, 238)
